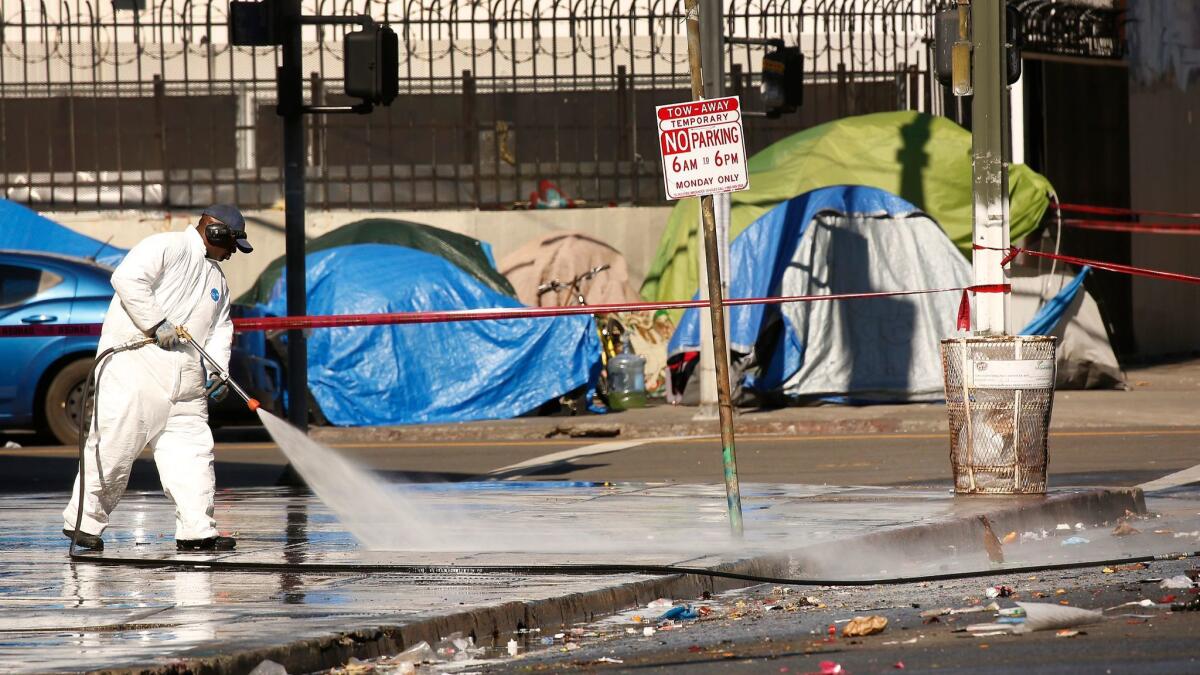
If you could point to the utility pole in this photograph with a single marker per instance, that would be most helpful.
(711, 264)
(992, 150)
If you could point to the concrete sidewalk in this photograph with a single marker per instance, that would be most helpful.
(1160, 396)
(61, 616)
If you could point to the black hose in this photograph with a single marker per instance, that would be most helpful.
(596, 569)
(85, 428)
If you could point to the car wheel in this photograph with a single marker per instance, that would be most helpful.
(64, 401)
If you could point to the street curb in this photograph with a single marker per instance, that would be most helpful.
(492, 625)
(541, 429)
(964, 536)
(487, 625)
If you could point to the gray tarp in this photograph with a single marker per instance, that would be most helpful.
(877, 349)
(882, 337)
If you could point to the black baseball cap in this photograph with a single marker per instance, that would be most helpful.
(229, 215)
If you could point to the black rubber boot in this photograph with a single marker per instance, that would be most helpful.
(207, 544)
(84, 540)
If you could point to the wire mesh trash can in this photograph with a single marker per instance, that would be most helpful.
(999, 391)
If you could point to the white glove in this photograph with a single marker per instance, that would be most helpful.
(166, 335)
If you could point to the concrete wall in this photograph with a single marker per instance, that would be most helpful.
(1164, 161)
(635, 231)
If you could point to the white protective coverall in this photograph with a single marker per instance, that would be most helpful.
(154, 397)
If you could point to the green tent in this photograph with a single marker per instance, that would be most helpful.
(468, 253)
(922, 158)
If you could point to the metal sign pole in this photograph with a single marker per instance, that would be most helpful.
(716, 308)
(712, 69)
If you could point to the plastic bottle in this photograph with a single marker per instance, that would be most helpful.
(626, 379)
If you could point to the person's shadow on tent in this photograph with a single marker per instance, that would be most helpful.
(871, 338)
(914, 159)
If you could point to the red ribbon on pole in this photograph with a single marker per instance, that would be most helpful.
(964, 305)
(964, 312)
(990, 288)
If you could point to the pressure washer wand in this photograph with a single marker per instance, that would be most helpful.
(251, 402)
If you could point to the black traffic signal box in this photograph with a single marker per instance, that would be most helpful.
(372, 61)
(782, 85)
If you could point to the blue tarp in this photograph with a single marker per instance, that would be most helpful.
(436, 372)
(22, 229)
(1049, 314)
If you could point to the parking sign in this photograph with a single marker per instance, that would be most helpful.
(702, 147)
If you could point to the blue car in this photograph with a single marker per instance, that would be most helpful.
(42, 378)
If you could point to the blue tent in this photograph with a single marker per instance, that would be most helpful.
(847, 239)
(22, 229)
(436, 372)
(760, 254)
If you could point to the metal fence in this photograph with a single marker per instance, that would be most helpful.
(127, 108)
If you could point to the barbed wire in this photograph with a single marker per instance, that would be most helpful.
(863, 34)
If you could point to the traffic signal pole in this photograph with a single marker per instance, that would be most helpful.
(291, 109)
(279, 23)
(992, 153)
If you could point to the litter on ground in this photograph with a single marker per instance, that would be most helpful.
(861, 626)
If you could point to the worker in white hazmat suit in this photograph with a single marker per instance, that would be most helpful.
(157, 395)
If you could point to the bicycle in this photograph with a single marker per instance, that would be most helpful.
(610, 330)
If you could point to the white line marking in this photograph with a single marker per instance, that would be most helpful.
(567, 456)
(1189, 475)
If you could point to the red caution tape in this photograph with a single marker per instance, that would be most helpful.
(344, 320)
(1118, 226)
(403, 318)
(70, 330)
(1118, 211)
(1098, 264)
(964, 305)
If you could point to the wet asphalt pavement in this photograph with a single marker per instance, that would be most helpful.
(202, 613)
(59, 616)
